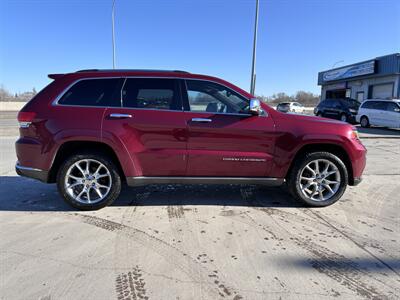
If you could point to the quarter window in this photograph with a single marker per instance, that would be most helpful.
(205, 96)
(391, 106)
(151, 93)
(94, 92)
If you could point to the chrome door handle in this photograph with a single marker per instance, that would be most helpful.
(120, 116)
(201, 120)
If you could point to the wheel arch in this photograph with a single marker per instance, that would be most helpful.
(325, 147)
(69, 148)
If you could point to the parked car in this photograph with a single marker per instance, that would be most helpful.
(283, 107)
(93, 130)
(342, 109)
(295, 107)
(379, 112)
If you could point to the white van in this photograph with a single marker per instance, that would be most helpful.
(379, 112)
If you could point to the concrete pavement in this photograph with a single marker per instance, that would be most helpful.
(202, 242)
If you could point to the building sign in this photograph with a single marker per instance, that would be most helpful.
(351, 71)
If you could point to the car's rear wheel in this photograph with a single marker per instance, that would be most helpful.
(364, 122)
(88, 181)
(319, 114)
(343, 118)
(318, 179)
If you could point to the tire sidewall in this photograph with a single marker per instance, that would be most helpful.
(361, 121)
(115, 177)
(295, 186)
(343, 116)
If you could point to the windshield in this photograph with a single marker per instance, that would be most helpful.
(352, 103)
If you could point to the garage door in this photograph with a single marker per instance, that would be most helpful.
(382, 91)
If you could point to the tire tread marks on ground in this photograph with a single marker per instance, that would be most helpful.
(131, 285)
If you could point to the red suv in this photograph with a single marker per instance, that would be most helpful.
(92, 130)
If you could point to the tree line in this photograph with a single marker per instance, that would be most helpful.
(5, 95)
(305, 98)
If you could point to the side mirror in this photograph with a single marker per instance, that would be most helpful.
(255, 107)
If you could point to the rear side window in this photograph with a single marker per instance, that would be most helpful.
(368, 105)
(151, 93)
(391, 106)
(380, 105)
(94, 92)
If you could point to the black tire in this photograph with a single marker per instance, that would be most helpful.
(115, 182)
(343, 118)
(293, 179)
(319, 114)
(364, 122)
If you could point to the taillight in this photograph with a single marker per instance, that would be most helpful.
(25, 118)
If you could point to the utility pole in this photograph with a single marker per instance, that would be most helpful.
(253, 66)
(113, 33)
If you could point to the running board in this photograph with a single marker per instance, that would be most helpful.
(142, 180)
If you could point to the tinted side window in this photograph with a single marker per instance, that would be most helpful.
(151, 93)
(391, 106)
(94, 92)
(380, 105)
(367, 105)
(323, 104)
(205, 96)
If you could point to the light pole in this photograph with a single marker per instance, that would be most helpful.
(253, 65)
(113, 33)
(338, 62)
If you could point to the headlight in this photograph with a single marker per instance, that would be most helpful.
(353, 111)
(354, 134)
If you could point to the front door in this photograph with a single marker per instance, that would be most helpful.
(151, 126)
(224, 140)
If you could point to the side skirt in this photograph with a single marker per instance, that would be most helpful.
(142, 180)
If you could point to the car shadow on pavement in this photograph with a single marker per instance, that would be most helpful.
(24, 194)
(347, 265)
(378, 131)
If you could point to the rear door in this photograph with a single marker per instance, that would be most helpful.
(224, 140)
(392, 115)
(329, 110)
(151, 126)
(379, 113)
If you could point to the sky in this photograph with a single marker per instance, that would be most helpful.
(296, 38)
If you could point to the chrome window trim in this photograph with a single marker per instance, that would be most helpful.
(64, 91)
(55, 101)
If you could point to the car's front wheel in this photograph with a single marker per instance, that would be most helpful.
(318, 179)
(88, 181)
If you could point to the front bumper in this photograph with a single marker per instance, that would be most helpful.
(32, 173)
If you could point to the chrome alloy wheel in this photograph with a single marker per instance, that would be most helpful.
(88, 181)
(319, 180)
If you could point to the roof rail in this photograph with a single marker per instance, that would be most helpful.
(129, 70)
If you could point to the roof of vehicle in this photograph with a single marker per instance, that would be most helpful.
(386, 100)
(98, 73)
(340, 99)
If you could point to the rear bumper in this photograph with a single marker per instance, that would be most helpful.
(32, 173)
